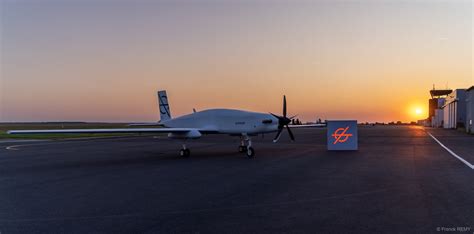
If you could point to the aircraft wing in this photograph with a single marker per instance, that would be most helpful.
(106, 130)
(308, 126)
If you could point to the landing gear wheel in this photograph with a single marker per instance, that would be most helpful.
(250, 152)
(184, 153)
(242, 149)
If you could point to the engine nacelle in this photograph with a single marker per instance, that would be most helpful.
(193, 134)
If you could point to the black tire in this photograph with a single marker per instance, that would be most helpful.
(184, 153)
(242, 149)
(250, 152)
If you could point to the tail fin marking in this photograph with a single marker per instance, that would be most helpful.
(165, 113)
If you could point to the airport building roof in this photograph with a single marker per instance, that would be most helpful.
(441, 92)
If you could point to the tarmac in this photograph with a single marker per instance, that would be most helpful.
(400, 180)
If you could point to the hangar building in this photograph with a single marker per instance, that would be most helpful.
(454, 109)
(470, 110)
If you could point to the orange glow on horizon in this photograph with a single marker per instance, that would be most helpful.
(105, 62)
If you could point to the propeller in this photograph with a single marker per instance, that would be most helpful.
(282, 122)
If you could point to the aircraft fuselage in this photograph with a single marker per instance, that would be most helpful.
(226, 121)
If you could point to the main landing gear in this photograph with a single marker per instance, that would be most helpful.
(247, 149)
(184, 152)
(244, 147)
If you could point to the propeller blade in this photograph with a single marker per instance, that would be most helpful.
(291, 134)
(282, 122)
(277, 137)
(292, 117)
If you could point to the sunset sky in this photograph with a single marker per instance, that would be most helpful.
(104, 60)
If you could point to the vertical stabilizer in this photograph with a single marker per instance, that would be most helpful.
(165, 113)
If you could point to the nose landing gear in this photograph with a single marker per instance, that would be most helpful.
(250, 152)
(184, 152)
(242, 148)
(247, 149)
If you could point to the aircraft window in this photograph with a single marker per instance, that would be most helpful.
(267, 121)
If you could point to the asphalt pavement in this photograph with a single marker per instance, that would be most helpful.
(400, 180)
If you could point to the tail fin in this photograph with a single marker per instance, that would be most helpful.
(165, 113)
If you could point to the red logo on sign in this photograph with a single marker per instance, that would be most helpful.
(341, 135)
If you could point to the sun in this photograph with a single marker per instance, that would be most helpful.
(418, 111)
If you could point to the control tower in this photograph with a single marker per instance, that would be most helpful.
(436, 102)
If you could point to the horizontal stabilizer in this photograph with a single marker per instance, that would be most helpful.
(145, 124)
(308, 126)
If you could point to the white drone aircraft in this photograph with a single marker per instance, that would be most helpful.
(192, 126)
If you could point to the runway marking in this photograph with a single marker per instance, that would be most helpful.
(15, 147)
(11, 147)
(451, 152)
(63, 141)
